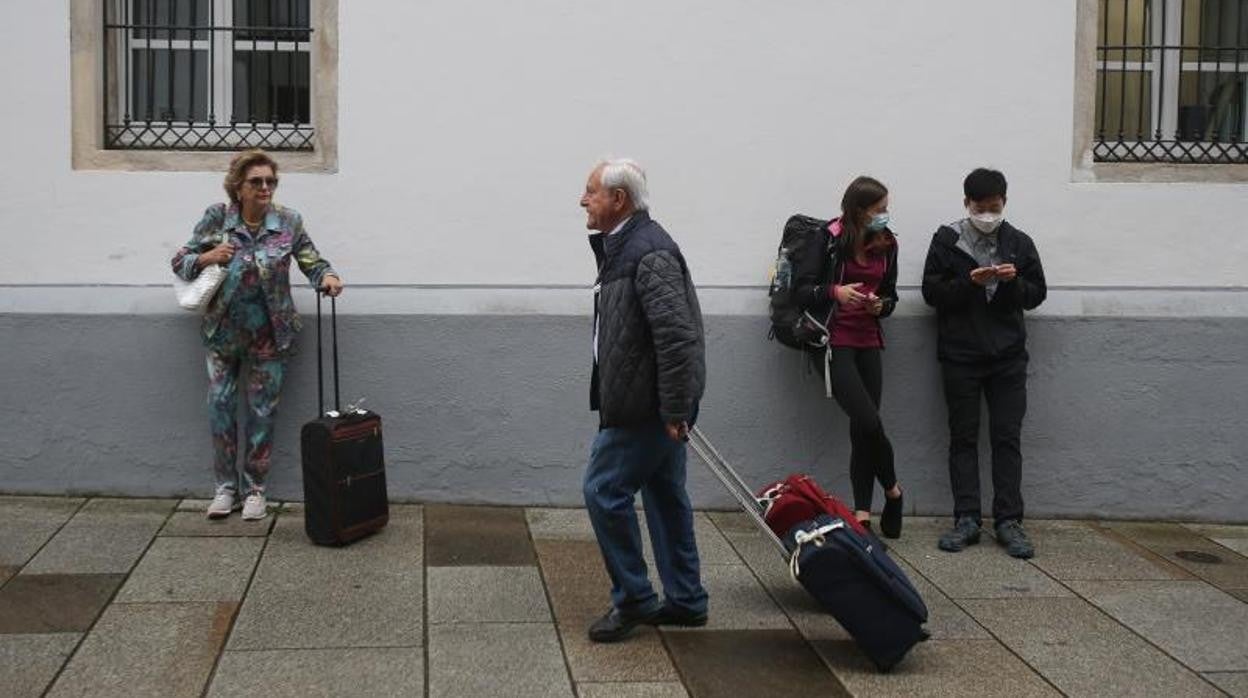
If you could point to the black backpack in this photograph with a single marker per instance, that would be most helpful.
(790, 325)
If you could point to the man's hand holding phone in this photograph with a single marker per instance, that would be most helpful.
(982, 275)
(1006, 272)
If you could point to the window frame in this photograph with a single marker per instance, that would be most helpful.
(1166, 77)
(88, 95)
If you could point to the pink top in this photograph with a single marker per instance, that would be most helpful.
(854, 325)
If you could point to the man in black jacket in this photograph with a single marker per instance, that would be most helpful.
(981, 274)
(648, 375)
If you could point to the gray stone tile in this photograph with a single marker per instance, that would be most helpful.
(1075, 550)
(335, 673)
(1173, 541)
(666, 689)
(495, 659)
(580, 593)
(163, 650)
(1239, 545)
(28, 523)
(1191, 621)
(559, 524)
(106, 535)
(952, 668)
(192, 569)
(28, 663)
(55, 603)
(981, 571)
(1219, 531)
(751, 663)
(1241, 594)
(1082, 651)
(199, 505)
(471, 535)
(194, 523)
(478, 594)
(368, 594)
(738, 602)
(1235, 683)
(6, 572)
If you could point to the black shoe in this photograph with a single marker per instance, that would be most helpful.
(890, 520)
(671, 615)
(616, 624)
(1011, 535)
(965, 532)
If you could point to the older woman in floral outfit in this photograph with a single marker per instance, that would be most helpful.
(250, 325)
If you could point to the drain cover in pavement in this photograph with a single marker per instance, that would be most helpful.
(1197, 556)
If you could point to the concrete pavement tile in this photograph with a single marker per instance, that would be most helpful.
(1191, 621)
(580, 593)
(1074, 550)
(192, 569)
(6, 572)
(737, 602)
(468, 535)
(1216, 531)
(1084, 652)
(478, 594)
(938, 668)
(1235, 683)
(28, 663)
(193, 505)
(1174, 542)
(164, 650)
(336, 673)
(1241, 594)
(980, 572)
(194, 523)
(496, 659)
(667, 689)
(368, 594)
(1239, 545)
(55, 603)
(559, 524)
(751, 663)
(106, 535)
(28, 523)
(641, 657)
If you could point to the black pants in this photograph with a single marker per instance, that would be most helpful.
(1003, 384)
(857, 379)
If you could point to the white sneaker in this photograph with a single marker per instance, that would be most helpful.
(221, 506)
(254, 507)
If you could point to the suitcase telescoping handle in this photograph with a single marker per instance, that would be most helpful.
(320, 361)
(734, 484)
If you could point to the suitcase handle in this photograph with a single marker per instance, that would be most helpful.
(320, 361)
(734, 484)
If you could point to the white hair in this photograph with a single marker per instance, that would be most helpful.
(626, 174)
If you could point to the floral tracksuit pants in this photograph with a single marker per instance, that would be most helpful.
(242, 349)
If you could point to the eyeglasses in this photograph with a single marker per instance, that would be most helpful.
(257, 182)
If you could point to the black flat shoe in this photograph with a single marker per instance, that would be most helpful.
(617, 625)
(670, 615)
(890, 520)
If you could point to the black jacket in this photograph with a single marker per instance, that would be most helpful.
(820, 266)
(972, 329)
(651, 361)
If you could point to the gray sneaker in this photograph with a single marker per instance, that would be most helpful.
(1011, 535)
(965, 532)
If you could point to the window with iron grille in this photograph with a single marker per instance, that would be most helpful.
(1171, 81)
(207, 74)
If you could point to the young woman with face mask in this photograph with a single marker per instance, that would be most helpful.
(856, 286)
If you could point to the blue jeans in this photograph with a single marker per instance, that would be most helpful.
(622, 462)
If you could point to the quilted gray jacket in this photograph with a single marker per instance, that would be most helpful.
(651, 355)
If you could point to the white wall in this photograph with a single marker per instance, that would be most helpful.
(466, 131)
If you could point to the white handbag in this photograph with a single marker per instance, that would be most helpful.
(197, 294)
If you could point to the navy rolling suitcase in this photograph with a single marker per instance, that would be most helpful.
(845, 570)
(344, 470)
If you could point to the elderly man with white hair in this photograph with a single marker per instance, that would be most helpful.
(649, 373)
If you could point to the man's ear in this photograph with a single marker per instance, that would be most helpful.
(619, 197)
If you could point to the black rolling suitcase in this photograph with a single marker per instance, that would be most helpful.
(847, 572)
(344, 469)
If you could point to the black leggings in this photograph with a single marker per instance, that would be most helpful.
(857, 379)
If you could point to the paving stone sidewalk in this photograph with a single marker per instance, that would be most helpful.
(129, 597)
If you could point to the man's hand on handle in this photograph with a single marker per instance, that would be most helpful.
(678, 431)
(331, 286)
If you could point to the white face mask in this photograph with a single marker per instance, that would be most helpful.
(986, 222)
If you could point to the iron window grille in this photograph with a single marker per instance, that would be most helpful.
(207, 74)
(1171, 81)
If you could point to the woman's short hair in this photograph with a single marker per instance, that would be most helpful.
(237, 174)
(622, 173)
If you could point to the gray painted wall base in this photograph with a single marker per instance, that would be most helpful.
(1127, 418)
